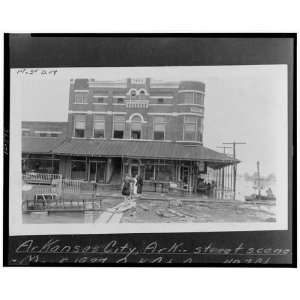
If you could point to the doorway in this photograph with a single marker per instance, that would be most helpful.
(134, 170)
(184, 175)
(97, 171)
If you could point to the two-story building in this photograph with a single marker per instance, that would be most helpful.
(134, 126)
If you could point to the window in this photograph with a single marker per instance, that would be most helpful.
(133, 93)
(193, 98)
(99, 126)
(25, 132)
(164, 172)
(47, 133)
(160, 100)
(149, 172)
(119, 127)
(79, 126)
(200, 129)
(199, 99)
(190, 128)
(41, 165)
(80, 98)
(188, 98)
(136, 128)
(159, 128)
(78, 170)
(100, 100)
(142, 94)
(120, 100)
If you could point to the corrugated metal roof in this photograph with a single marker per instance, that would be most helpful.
(140, 149)
(40, 145)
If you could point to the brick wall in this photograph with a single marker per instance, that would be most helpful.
(174, 127)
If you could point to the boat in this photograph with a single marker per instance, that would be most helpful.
(259, 186)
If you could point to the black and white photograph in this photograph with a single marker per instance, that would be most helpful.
(150, 149)
(170, 157)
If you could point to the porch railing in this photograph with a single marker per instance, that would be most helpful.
(40, 178)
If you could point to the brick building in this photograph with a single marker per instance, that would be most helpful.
(135, 126)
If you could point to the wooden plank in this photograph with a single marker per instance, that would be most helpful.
(104, 217)
(116, 218)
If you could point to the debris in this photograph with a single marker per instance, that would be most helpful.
(174, 212)
(163, 214)
(144, 207)
(126, 206)
(175, 202)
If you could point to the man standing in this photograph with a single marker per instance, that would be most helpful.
(140, 184)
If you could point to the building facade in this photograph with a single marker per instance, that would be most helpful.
(135, 126)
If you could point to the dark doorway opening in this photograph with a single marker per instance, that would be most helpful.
(116, 170)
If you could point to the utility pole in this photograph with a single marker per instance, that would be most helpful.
(222, 171)
(234, 143)
(224, 148)
(258, 181)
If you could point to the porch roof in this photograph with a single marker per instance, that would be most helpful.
(141, 149)
(40, 145)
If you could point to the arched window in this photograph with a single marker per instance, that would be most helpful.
(141, 93)
(136, 128)
(136, 119)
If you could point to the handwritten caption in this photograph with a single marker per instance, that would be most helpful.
(42, 72)
(30, 252)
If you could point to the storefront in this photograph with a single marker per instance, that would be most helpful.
(39, 163)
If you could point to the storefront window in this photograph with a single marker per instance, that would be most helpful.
(149, 172)
(37, 165)
(164, 173)
(78, 170)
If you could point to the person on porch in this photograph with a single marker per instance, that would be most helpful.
(140, 185)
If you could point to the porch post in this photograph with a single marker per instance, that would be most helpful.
(222, 183)
(86, 169)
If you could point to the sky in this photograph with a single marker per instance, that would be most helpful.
(242, 103)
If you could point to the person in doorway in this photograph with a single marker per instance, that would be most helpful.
(126, 188)
(134, 185)
(140, 185)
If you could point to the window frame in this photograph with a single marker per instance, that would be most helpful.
(164, 122)
(74, 129)
(83, 98)
(102, 100)
(141, 128)
(190, 123)
(99, 121)
(124, 126)
(194, 93)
